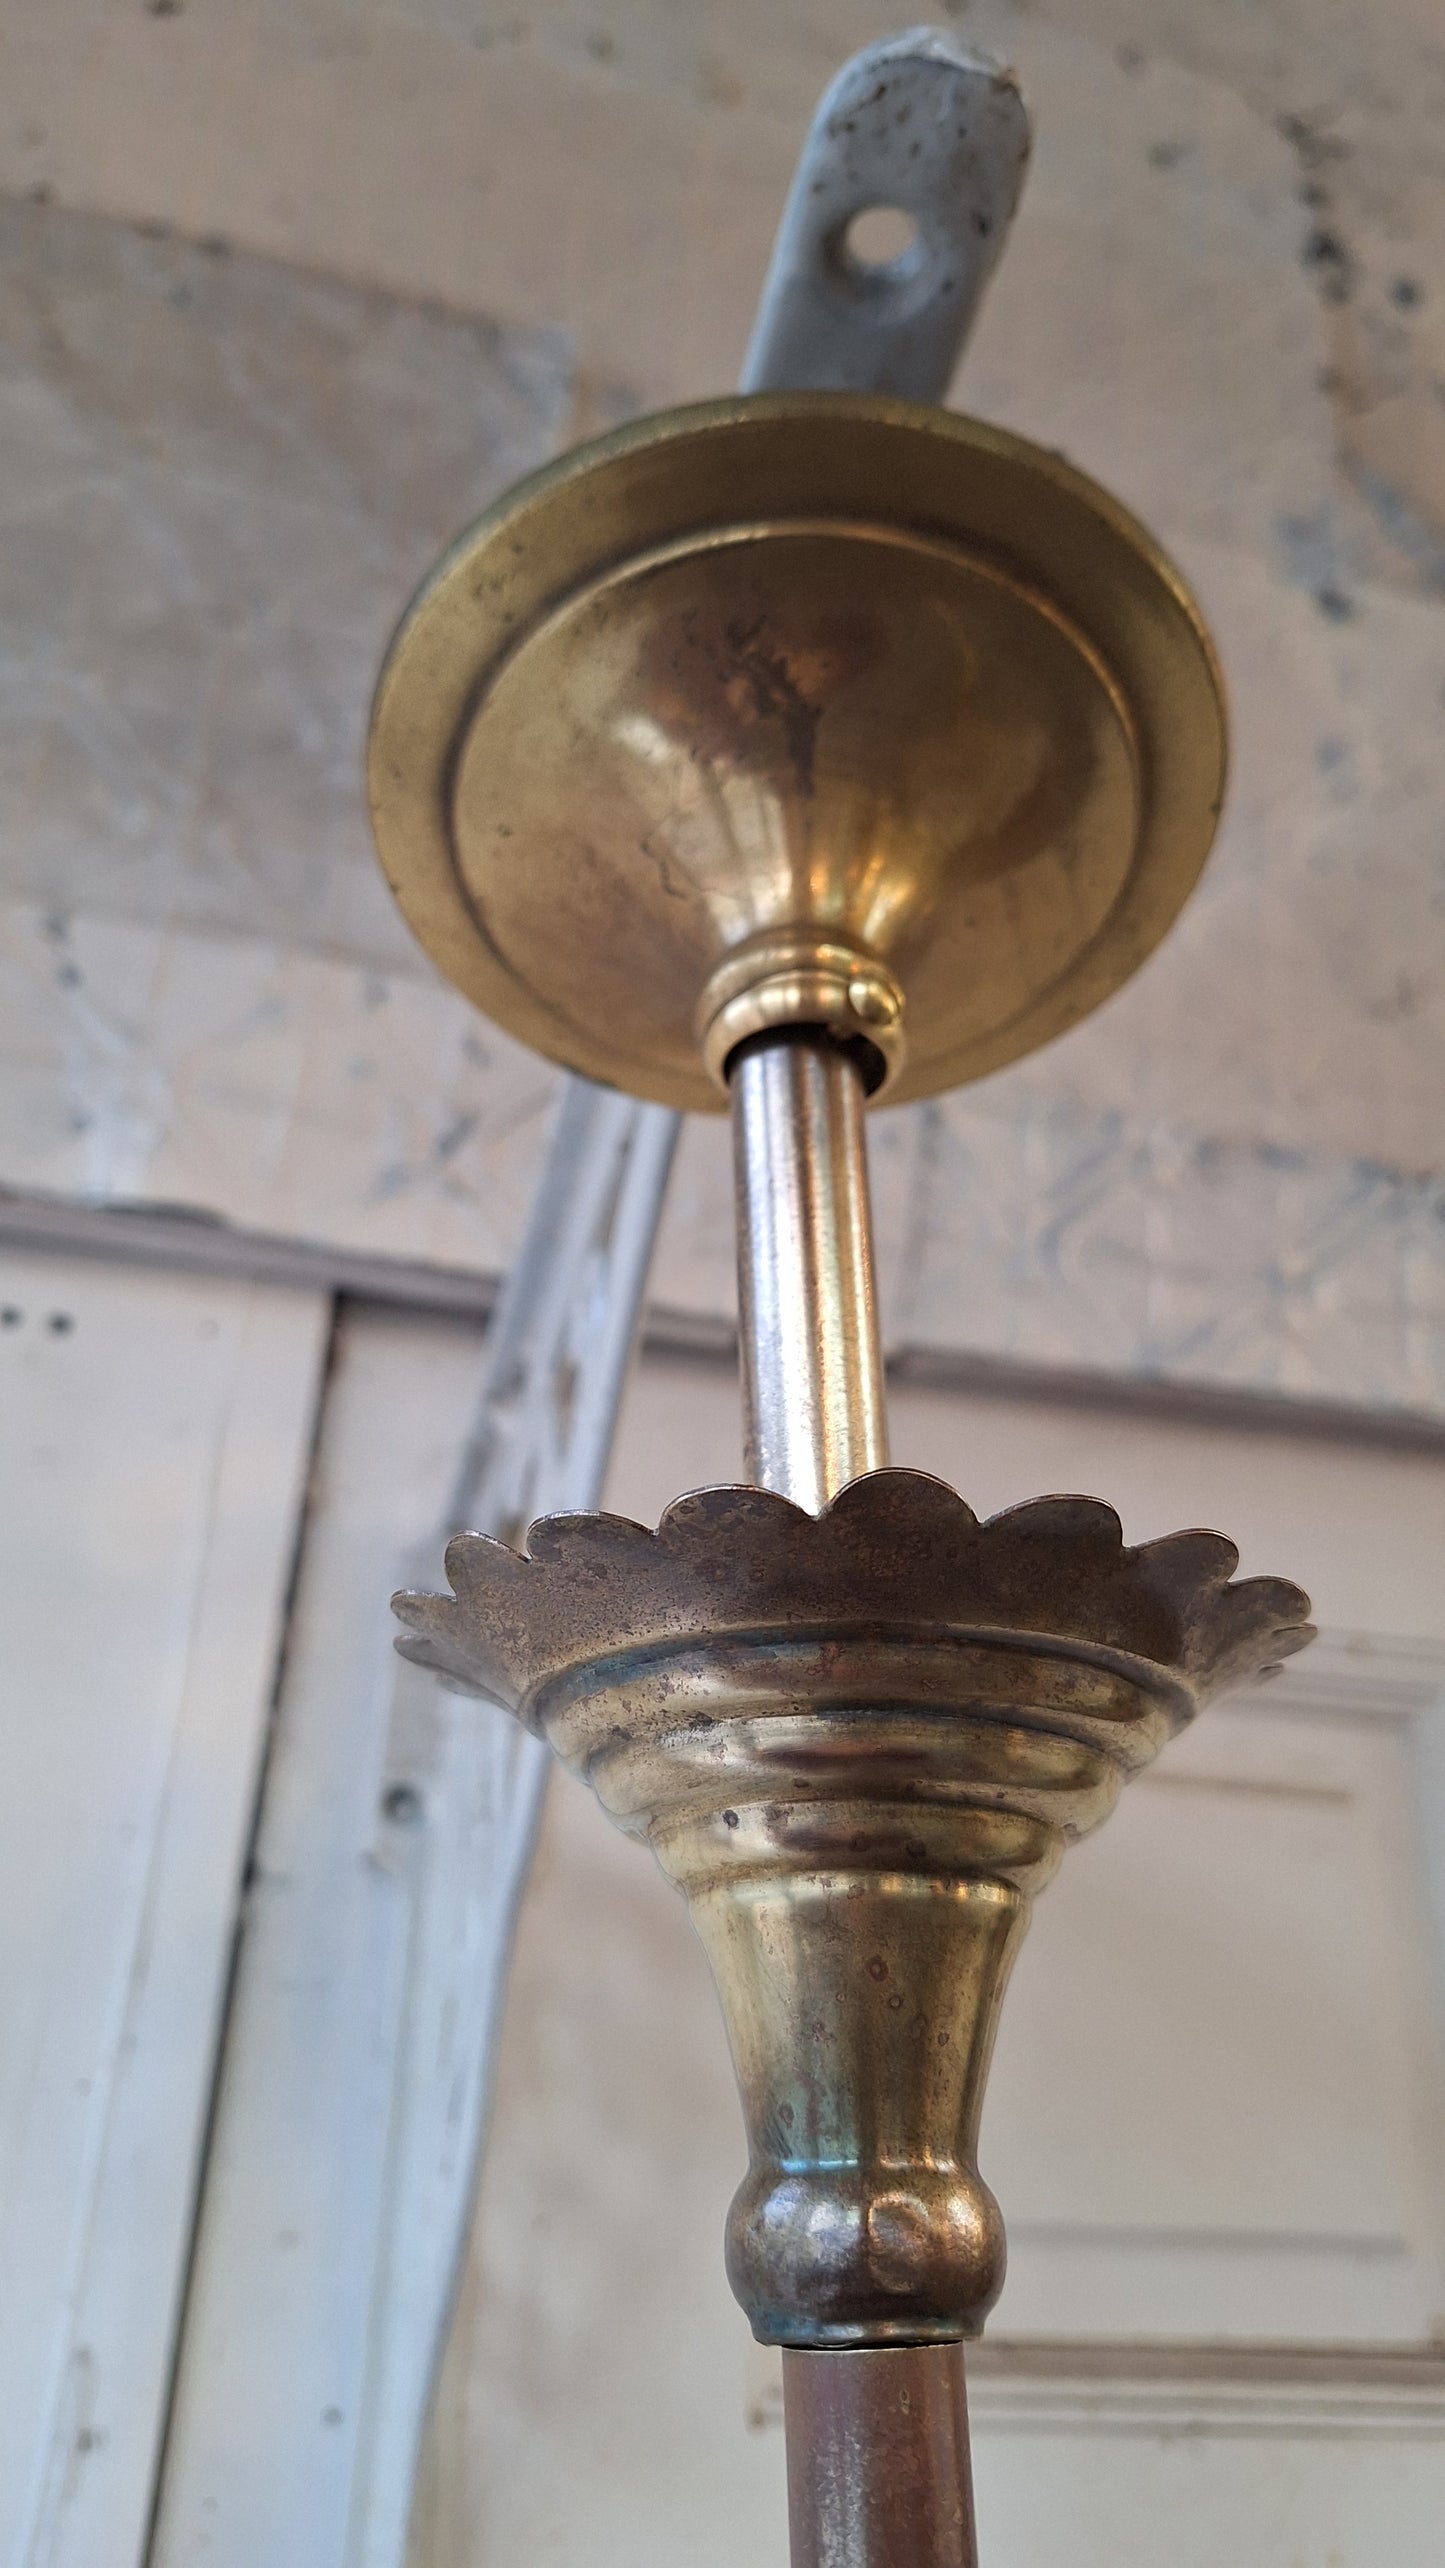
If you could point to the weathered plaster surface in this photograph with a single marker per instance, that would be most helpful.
(287, 1090)
(309, 1094)
(223, 472)
(616, 164)
(222, 478)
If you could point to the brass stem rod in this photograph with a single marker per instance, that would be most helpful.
(878, 2463)
(813, 1410)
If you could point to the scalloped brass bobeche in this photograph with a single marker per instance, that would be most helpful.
(858, 1742)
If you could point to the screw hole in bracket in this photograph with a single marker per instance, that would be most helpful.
(882, 242)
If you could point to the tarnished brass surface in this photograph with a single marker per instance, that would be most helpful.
(808, 708)
(878, 2459)
(858, 1742)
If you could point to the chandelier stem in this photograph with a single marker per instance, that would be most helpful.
(812, 1367)
(878, 2463)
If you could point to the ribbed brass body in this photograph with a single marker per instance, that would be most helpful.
(858, 1742)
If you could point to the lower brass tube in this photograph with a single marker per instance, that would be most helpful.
(878, 2465)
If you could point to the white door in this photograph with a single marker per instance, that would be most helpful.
(384, 1880)
(155, 1433)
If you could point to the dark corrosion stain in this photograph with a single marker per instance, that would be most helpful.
(750, 683)
(777, 693)
(1326, 254)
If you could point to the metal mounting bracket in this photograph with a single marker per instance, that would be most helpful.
(924, 128)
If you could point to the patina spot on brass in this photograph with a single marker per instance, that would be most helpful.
(858, 1742)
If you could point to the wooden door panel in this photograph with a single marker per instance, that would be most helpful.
(154, 1439)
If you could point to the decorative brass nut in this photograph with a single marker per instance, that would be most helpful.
(795, 977)
(859, 1743)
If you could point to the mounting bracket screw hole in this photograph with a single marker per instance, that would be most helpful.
(880, 239)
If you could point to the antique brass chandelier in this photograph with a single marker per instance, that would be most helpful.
(772, 756)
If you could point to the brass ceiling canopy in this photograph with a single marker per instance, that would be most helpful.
(797, 709)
